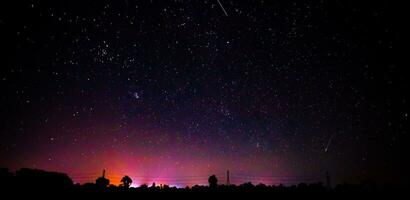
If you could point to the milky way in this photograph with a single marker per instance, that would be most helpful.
(174, 91)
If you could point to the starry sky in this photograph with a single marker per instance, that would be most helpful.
(174, 91)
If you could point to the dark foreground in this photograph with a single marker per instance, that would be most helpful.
(41, 184)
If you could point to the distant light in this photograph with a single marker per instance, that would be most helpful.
(135, 185)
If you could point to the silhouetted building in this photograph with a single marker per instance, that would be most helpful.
(39, 179)
(102, 182)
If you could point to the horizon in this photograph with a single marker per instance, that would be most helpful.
(202, 180)
(188, 181)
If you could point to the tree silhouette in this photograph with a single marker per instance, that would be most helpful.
(213, 181)
(126, 181)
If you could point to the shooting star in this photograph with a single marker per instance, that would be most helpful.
(222, 7)
(329, 142)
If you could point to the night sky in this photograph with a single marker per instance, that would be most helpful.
(174, 91)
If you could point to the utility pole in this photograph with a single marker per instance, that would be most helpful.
(103, 175)
(227, 178)
(328, 185)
